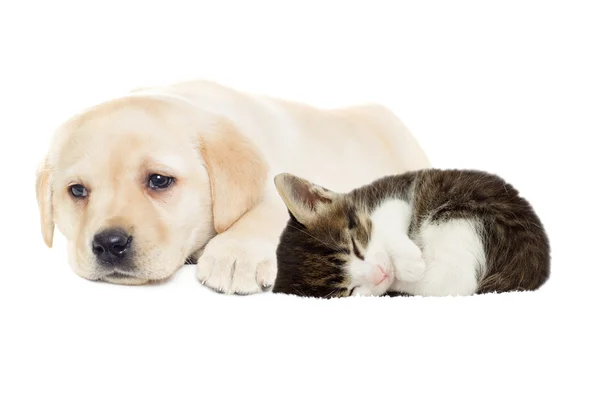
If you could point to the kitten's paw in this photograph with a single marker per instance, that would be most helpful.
(237, 265)
(409, 267)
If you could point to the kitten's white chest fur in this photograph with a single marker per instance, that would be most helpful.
(446, 259)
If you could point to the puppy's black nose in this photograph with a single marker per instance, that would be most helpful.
(111, 246)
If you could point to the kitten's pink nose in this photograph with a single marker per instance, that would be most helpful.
(382, 276)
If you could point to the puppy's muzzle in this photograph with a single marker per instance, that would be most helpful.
(112, 248)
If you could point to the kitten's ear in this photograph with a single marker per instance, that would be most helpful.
(304, 199)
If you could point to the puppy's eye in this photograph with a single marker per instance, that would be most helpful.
(356, 251)
(78, 191)
(157, 182)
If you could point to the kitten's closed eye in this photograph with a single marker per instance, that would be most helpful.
(356, 250)
(352, 223)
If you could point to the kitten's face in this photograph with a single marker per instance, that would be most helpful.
(328, 248)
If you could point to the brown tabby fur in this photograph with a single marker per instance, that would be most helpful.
(311, 255)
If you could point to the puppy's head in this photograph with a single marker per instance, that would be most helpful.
(138, 184)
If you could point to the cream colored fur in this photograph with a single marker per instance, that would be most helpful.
(223, 147)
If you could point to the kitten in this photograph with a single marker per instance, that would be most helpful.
(430, 232)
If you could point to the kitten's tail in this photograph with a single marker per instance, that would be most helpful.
(526, 267)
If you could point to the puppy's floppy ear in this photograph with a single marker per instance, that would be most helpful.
(237, 172)
(304, 199)
(43, 190)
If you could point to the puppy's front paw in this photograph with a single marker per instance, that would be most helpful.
(237, 265)
(409, 267)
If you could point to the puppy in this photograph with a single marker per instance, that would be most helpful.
(142, 183)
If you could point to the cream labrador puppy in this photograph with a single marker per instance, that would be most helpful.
(142, 183)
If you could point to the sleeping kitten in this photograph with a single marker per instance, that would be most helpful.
(430, 232)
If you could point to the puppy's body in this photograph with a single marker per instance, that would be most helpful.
(223, 148)
(366, 140)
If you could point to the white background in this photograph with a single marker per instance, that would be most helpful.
(511, 87)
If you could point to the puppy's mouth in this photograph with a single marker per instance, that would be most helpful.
(118, 275)
(122, 278)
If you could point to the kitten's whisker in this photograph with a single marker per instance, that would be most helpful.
(328, 245)
(299, 291)
(332, 292)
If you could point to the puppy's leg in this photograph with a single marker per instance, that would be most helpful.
(242, 259)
